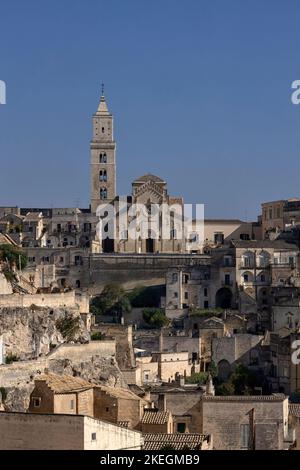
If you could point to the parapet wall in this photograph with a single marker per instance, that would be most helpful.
(64, 299)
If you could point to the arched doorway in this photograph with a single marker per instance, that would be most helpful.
(224, 370)
(149, 245)
(223, 298)
(108, 245)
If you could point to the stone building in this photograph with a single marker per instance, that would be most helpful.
(32, 431)
(279, 215)
(228, 351)
(182, 400)
(54, 393)
(246, 422)
(119, 406)
(103, 157)
(156, 421)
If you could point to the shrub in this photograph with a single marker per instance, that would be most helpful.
(68, 326)
(149, 297)
(197, 378)
(155, 317)
(242, 381)
(96, 336)
(206, 312)
(112, 300)
(13, 255)
(11, 358)
(8, 273)
(226, 388)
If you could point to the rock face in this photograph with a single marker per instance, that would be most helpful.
(5, 287)
(30, 333)
(98, 370)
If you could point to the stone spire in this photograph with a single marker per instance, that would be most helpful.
(209, 388)
(102, 108)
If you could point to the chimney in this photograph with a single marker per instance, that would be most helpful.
(162, 403)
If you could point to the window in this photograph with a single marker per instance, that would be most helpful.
(72, 404)
(124, 235)
(244, 236)
(245, 433)
(205, 292)
(206, 305)
(219, 238)
(181, 427)
(278, 212)
(36, 401)
(174, 277)
(227, 260)
(291, 260)
(185, 278)
(176, 295)
(103, 158)
(61, 259)
(173, 234)
(103, 175)
(262, 278)
(107, 409)
(246, 278)
(77, 284)
(102, 130)
(227, 280)
(103, 193)
(186, 295)
(270, 214)
(94, 436)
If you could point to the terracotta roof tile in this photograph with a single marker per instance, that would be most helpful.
(64, 383)
(177, 441)
(294, 409)
(275, 397)
(155, 417)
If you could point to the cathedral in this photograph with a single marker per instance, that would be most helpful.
(131, 233)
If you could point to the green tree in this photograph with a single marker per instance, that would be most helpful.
(68, 326)
(226, 388)
(13, 255)
(112, 300)
(197, 378)
(213, 369)
(146, 297)
(155, 317)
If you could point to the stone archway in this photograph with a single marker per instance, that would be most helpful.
(108, 245)
(224, 298)
(224, 370)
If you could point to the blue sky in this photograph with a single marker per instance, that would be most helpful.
(200, 91)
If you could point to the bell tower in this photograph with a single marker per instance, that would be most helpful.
(103, 156)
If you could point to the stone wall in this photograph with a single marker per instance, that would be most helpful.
(84, 352)
(23, 431)
(64, 299)
(223, 417)
(145, 269)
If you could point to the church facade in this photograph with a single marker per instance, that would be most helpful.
(147, 221)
